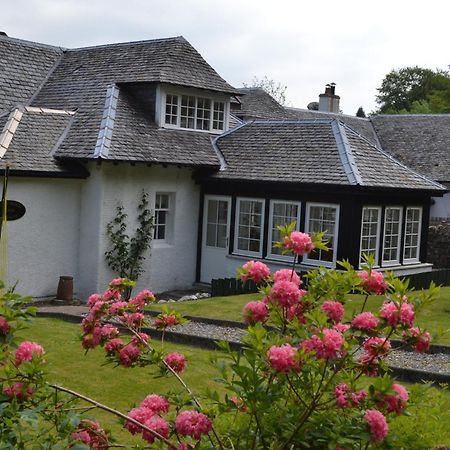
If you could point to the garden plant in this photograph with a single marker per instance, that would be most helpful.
(305, 378)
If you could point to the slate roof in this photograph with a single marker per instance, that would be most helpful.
(419, 141)
(23, 68)
(313, 152)
(256, 103)
(35, 139)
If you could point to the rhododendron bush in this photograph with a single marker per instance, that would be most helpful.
(305, 378)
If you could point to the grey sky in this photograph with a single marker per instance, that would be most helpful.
(302, 44)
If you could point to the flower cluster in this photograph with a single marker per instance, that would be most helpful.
(255, 271)
(299, 243)
(346, 399)
(334, 310)
(373, 282)
(91, 434)
(254, 312)
(28, 350)
(193, 423)
(377, 425)
(283, 358)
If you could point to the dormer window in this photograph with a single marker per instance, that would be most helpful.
(194, 112)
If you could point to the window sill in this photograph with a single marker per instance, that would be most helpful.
(162, 244)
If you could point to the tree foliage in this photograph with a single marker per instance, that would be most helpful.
(360, 112)
(415, 90)
(276, 89)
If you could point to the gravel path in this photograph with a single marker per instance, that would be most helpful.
(438, 362)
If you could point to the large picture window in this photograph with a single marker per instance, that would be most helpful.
(249, 226)
(392, 233)
(281, 213)
(413, 222)
(196, 113)
(370, 232)
(323, 218)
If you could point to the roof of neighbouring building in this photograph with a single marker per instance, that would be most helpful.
(312, 151)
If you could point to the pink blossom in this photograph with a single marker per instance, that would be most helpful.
(300, 243)
(397, 402)
(140, 339)
(373, 283)
(420, 340)
(4, 326)
(81, 436)
(157, 424)
(377, 346)
(156, 403)
(176, 361)
(358, 397)
(133, 320)
(365, 321)
(255, 312)
(296, 310)
(118, 308)
(90, 433)
(285, 293)
(141, 415)
(93, 299)
(326, 347)
(287, 275)
(334, 310)
(109, 331)
(393, 314)
(340, 393)
(389, 312)
(377, 425)
(370, 364)
(283, 358)
(193, 423)
(407, 314)
(113, 346)
(18, 390)
(117, 283)
(111, 295)
(166, 320)
(26, 351)
(129, 354)
(92, 339)
(341, 327)
(142, 299)
(254, 270)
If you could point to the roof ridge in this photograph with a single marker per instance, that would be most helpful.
(293, 121)
(39, 110)
(107, 124)
(346, 154)
(394, 160)
(293, 109)
(120, 44)
(412, 115)
(9, 129)
(31, 43)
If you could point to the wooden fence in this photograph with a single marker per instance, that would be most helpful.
(231, 286)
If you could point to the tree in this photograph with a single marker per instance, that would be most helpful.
(360, 112)
(273, 88)
(415, 90)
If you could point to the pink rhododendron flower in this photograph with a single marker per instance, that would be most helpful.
(113, 346)
(133, 320)
(373, 283)
(326, 347)
(340, 393)
(389, 312)
(300, 243)
(109, 331)
(156, 403)
(283, 358)
(157, 424)
(296, 310)
(117, 282)
(140, 339)
(341, 327)
(420, 340)
(407, 314)
(118, 308)
(18, 390)
(92, 339)
(111, 295)
(334, 310)
(193, 423)
(4, 326)
(129, 354)
(287, 275)
(166, 320)
(141, 415)
(377, 346)
(358, 397)
(26, 350)
(365, 321)
(377, 425)
(285, 293)
(91, 434)
(394, 315)
(255, 312)
(176, 361)
(93, 299)
(396, 402)
(82, 436)
(254, 270)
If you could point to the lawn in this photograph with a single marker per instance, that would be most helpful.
(435, 316)
(122, 388)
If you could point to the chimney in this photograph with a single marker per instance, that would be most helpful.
(329, 101)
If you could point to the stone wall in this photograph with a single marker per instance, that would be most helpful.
(439, 243)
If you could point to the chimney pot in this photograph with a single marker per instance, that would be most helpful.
(329, 101)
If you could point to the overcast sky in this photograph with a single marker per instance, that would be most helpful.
(302, 44)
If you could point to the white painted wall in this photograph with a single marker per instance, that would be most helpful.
(43, 244)
(441, 207)
(168, 265)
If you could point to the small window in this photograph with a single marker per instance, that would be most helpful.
(162, 216)
(187, 118)
(217, 223)
(203, 113)
(219, 116)
(172, 109)
(370, 232)
(392, 233)
(323, 218)
(412, 235)
(282, 213)
(249, 226)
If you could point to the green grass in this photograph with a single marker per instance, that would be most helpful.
(122, 388)
(434, 317)
(119, 388)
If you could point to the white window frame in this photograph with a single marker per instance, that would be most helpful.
(196, 94)
(236, 227)
(417, 259)
(377, 248)
(219, 198)
(317, 262)
(394, 262)
(269, 241)
(169, 218)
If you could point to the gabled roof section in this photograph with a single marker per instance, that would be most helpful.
(34, 134)
(319, 151)
(24, 66)
(421, 141)
(256, 103)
